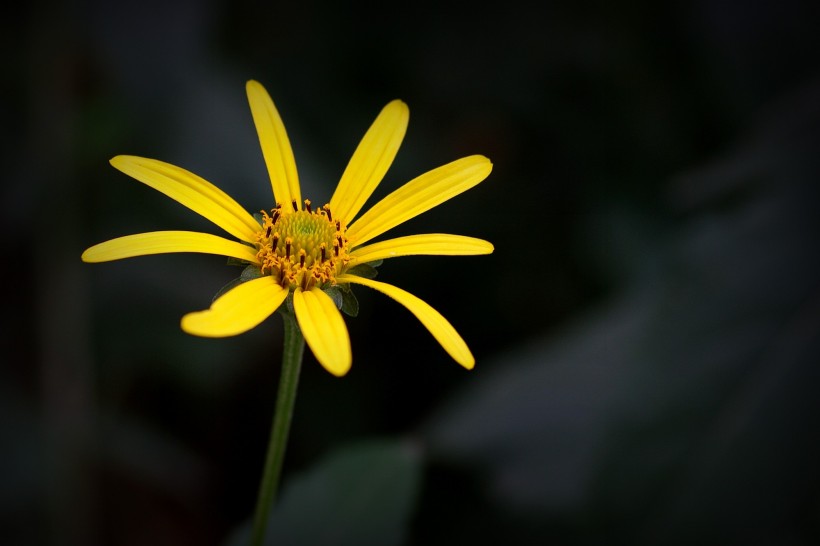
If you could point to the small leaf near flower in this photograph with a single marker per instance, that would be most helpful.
(335, 294)
(368, 270)
(250, 273)
(236, 262)
(350, 305)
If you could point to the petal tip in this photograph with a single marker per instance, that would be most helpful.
(398, 104)
(200, 324)
(338, 369)
(122, 162)
(468, 364)
(192, 323)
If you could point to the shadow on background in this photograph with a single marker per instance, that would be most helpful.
(646, 332)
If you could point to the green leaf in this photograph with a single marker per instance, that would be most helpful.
(368, 271)
(350, 305)
(335, 294)
(362, 494)
(228, 286)
(248, 274)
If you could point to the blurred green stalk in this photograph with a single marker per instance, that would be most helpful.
(294, 346)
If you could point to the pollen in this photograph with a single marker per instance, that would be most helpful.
(293, 247)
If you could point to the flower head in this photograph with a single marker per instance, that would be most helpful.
(312, 253)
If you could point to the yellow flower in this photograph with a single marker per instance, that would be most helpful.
(302, 249)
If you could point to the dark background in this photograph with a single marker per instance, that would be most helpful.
(646, 332)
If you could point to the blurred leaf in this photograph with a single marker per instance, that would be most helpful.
(685, 411)
(360, 495)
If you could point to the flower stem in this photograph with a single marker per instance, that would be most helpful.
(294, 345)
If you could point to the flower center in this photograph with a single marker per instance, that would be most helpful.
(302, 248)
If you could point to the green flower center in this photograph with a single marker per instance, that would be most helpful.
(302, 248)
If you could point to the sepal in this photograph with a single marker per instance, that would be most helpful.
(366, 270)
(250, 273)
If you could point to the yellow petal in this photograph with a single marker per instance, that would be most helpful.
(324, 329)
(419, 195)
(164, 242)
(197, 194)
(370, 161)
(275, 146)
(238, 310)
(429, 244)
(441, 329)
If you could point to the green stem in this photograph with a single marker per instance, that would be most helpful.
(294, 346)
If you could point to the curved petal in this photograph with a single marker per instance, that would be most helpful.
(238, 310)
(165, 242)
(441, 329)
(419, 195)
(194, 192)
(430, 244)
(324, 329)
(275, 146)
(370, 161)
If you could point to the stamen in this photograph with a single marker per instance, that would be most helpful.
(312, 251)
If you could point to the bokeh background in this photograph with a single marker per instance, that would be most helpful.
(646, 332)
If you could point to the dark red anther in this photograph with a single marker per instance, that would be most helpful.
(307, 206)
(295, 205)
(287, 248)
(275, 216)
(274, 242)
(329, 217)
(267, 233)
